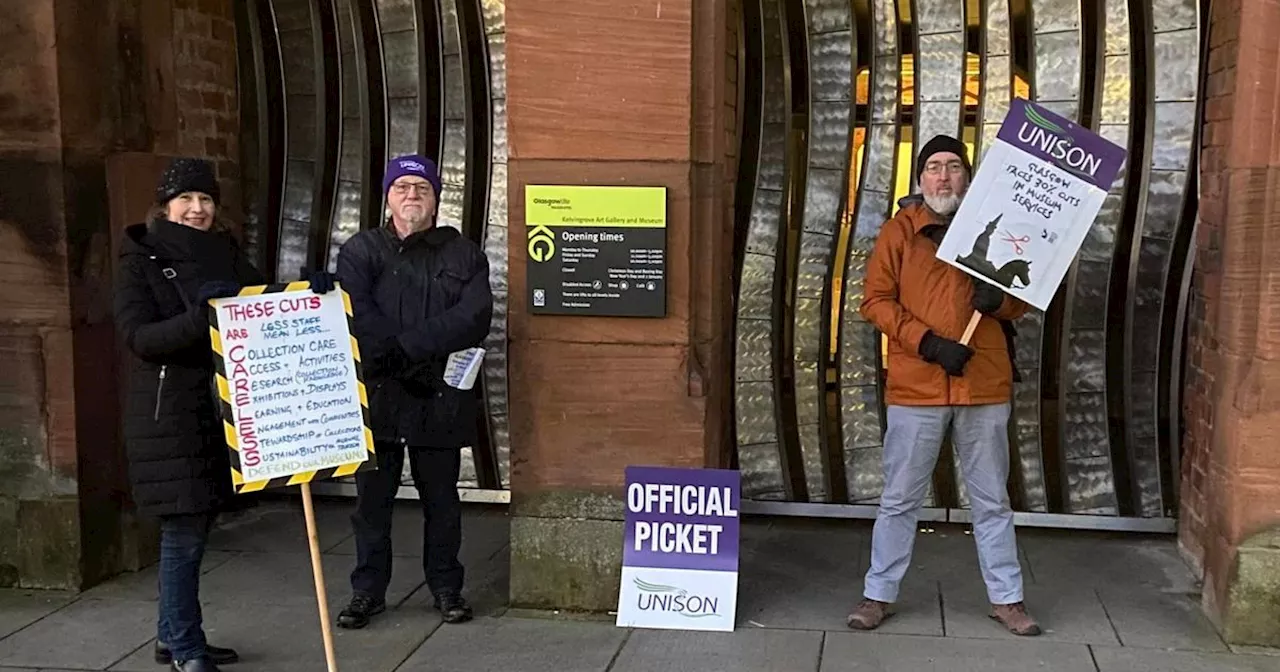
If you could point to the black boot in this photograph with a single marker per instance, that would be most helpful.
(197, 665)
(359, 611)
(216, 654)
(453, 607)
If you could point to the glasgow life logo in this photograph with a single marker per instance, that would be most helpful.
(542, 243)
(674, 600)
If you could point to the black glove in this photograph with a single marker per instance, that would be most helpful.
(215, 289)
(321, 281)
(987, 298)
(386, 358)
(948, 354)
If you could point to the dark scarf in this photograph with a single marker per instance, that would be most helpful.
(212, 252)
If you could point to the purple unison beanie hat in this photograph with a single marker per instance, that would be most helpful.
(411, 164)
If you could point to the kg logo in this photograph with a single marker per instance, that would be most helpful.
(542, 243)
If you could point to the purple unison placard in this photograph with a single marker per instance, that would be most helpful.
(682, 518)
(1063, 143)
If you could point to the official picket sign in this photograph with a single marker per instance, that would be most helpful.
(293, 402)
(1032, 202)
(680, 555)
(597, 250)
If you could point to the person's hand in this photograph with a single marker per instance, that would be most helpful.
(987, 298)
(321, 281)
(216, 289)
(948, 354)
(386, 357)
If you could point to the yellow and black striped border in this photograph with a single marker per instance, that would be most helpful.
(228, 418)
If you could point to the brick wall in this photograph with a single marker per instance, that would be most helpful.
(1200, 394)
(204, 53)
(85, 83)
(1230, 517)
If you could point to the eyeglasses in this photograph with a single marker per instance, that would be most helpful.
(402, 188)
(935, 167)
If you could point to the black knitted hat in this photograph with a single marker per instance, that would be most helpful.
(187, 174)
(943, 143)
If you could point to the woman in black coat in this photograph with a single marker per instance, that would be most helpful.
(169, 269)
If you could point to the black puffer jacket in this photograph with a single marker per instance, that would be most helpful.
(173, 434)
(430, 293)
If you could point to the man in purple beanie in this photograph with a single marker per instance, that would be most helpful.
(418, 293)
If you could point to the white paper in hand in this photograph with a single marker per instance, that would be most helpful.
(463, 367)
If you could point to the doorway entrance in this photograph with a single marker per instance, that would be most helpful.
(836, 95)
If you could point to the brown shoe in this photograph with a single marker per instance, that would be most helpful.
(1015, 618)
(869, 615)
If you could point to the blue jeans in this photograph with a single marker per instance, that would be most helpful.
(182, 543)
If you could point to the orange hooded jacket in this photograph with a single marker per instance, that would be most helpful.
(908, 291)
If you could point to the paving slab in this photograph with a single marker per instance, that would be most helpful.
(142, 584)
(801, 578)
(21, 608)
(487, 587)
(1105, 560)
(1073, 616)
(739, 651)
(1114, 659)
(889, 653)
(90, 634)
(254, 578)
(279, 526)
(286, 637)
(918, 610)
(943, 552)
(1148, 618)
(483, 534)
(530, 645)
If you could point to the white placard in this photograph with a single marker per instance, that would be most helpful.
(288, 378)
(1032, 203)
(677, 599)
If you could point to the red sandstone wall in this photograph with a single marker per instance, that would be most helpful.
(80, 82)
(1231, 466)
(1206, 280)
(587, 108)
(208, 110)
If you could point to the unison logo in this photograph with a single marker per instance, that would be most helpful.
(657, 597)
(1048, 137)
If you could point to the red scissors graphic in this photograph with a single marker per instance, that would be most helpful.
(1016, 241)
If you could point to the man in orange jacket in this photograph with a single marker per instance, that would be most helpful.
(923, 306)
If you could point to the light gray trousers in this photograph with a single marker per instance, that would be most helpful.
(981, 439)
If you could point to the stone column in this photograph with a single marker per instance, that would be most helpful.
(604, 92)
(1231, 486)
(79, 83)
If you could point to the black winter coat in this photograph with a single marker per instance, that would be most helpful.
(430, 293)
(178, 461)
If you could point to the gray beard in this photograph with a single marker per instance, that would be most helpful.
(943, 205)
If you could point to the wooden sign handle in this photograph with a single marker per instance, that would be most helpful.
(313, 541)
(973, 326)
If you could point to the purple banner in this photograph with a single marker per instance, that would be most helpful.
(1062, 143)
(682, 518)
